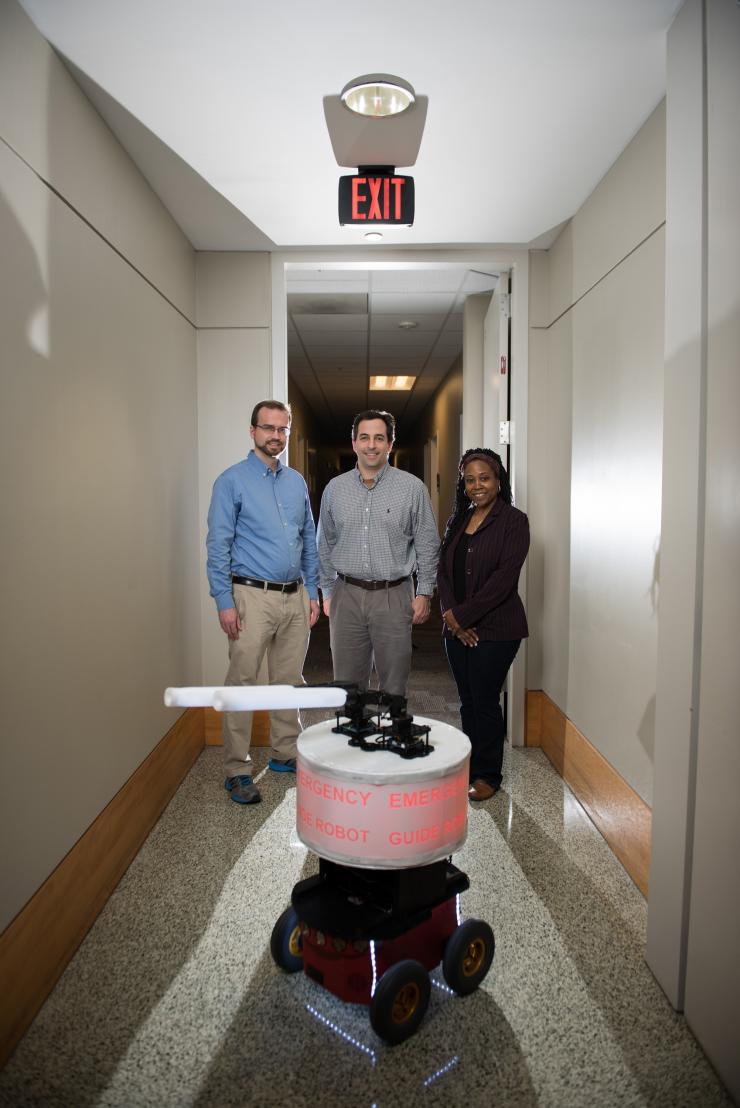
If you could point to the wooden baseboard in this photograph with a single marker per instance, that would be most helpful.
(38, 944)
(533, 717)
(622, 817)
(260, 728)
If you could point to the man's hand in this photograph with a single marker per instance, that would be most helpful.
(327, 606)
(420, 606)
(231, 625)
(314, 613)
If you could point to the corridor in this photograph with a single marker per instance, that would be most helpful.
(173, 999)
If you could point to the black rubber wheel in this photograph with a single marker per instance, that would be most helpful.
(286, 945)
(468, 956)
(400, 1001)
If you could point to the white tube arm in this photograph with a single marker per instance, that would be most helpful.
(250, 698)
(190, 697)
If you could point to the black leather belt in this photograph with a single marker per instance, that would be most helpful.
(270, 585)
(371, 586)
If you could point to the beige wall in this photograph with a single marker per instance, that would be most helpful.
(98, 441)
(305, 439)
(233, 318)
(595, 411)
(441, 417)
(694, 875)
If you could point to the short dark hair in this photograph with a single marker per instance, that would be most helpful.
(276, 404)
(373, 413)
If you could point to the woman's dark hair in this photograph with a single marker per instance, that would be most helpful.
(462, 504)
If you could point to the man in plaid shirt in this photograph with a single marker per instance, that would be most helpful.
(376, 529)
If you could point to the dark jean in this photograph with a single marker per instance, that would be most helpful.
(480, 672)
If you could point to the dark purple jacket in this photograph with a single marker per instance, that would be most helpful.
(492, 567)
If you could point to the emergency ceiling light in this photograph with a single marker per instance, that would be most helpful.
(380, 383)
(378, 95)
(373, 236)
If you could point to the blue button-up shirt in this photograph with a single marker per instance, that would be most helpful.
(260, 525)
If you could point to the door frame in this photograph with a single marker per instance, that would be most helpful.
(490, 259)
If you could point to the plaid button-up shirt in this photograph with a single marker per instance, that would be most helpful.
(379, 533)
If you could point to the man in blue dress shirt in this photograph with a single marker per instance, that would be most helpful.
(262, 569)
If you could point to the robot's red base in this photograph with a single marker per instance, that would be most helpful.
(370, 937)
(351, 970)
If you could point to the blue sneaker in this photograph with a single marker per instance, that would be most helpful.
(242, 790)
(282, 767)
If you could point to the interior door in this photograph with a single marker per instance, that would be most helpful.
(497, 436)
(497, 370)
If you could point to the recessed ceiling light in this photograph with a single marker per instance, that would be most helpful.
(378, 95)
(384, 383)
(408, 324)
(373, 236)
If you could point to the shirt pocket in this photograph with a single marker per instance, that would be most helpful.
(398, 522)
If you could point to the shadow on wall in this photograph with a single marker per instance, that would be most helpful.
(646, 727)
(24, 509)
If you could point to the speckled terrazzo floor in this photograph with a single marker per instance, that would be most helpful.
(173, 999)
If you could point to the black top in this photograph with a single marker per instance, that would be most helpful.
(458, 568)
(492, 563)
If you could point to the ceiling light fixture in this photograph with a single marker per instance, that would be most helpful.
(378, 95)
(382, 383)
(408, 324)
(373, 236)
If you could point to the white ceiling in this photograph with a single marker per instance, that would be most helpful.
(221, 105)
(530, 102)
(343, 327)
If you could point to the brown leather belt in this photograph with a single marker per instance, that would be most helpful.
(271, 585)
(371, 586)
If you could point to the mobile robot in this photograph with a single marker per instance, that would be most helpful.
(384, 812)
(382, 799)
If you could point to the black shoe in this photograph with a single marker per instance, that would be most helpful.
(242, 790)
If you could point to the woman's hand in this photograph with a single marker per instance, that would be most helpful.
(468, 636)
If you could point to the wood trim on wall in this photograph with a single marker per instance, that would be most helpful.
(36, 947)
(260, 728)
(622, 817)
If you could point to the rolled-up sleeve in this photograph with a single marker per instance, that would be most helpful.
(309, 555)
(426, 543)
(326, 537)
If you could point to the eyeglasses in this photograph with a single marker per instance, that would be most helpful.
(271, 429)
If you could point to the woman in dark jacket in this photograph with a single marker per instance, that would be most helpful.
(483, 550)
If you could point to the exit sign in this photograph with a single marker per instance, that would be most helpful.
(371, 197)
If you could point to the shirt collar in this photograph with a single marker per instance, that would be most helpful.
(260, 467)
(377, 479)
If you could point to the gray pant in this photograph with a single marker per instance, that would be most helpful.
(367, 626)
(275, 628)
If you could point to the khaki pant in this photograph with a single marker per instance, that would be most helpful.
(275, 628)
(369, 627)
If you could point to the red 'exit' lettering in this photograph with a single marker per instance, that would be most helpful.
(379, 206)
